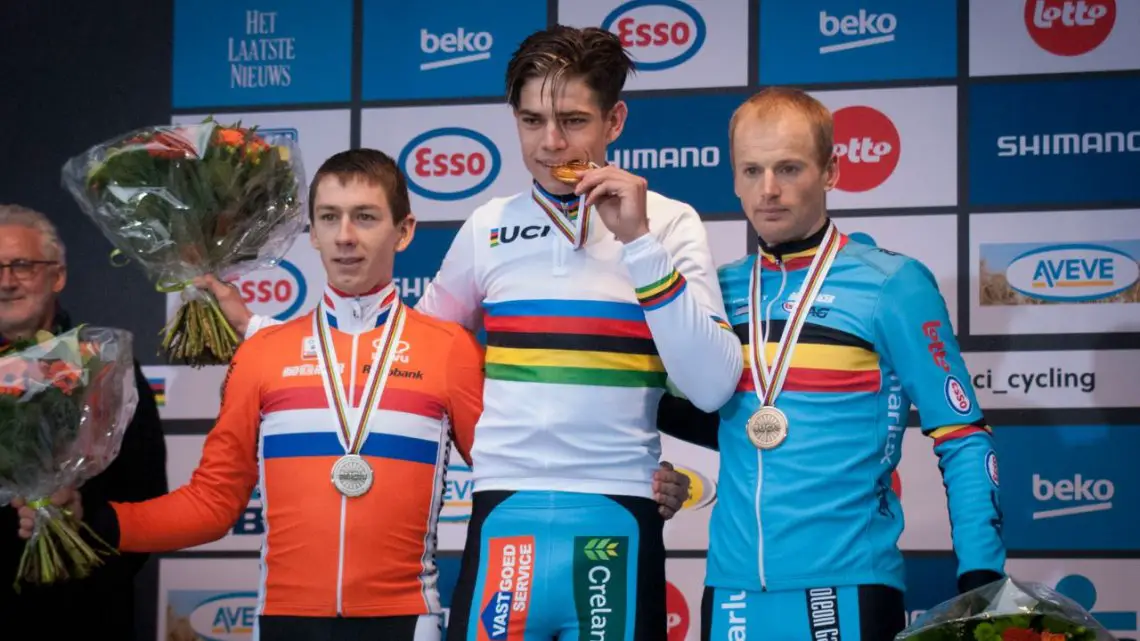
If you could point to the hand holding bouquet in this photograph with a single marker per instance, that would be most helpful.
(64, 403)
(1007, 610)
(192, 200)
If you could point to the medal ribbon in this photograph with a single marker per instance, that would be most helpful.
(377, 376)
(769, 381)
(577, 229)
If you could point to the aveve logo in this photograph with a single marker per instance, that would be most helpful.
(450, 163)
(457, 493)
(678, 617)
(659, 34)
(278, 292)
(1069, 27)
(1072, 273)
(868, 147)
(226, 617)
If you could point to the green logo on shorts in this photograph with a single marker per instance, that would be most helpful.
(601, 573)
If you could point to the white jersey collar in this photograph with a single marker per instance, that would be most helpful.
(356, 314)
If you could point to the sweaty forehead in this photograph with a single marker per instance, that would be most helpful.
(17, 241)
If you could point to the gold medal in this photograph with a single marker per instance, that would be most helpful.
(767, 428)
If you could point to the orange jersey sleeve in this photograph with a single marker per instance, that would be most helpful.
(464, 390)
(207, 507)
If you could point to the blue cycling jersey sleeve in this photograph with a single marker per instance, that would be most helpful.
(914, 335)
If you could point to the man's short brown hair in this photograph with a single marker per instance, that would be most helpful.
(774, 100)
(591, 54)
(372, 166)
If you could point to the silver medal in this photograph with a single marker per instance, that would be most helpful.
(352, 475)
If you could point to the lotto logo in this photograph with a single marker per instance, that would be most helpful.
(867, 146)
(659, 34)
(1068, 28)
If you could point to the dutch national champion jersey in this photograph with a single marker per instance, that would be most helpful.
(580, 342)
(324, 554)
(818, 510)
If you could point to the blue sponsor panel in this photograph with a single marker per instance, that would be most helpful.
(1059, 142)
(229, 52)
(417, 265)
(930, 580)
(818, 41)
(1070, 487)
(690, 162)
(443, 49)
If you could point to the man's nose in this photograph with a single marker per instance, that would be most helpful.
(770, 186)
(7, 278)
(346, 233)
(553, 139)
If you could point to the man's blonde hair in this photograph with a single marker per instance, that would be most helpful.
(775, 100)
(21, 216)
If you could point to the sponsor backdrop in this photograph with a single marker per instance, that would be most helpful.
(997, 141)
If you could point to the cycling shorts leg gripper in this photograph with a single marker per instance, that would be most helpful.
(849, 613)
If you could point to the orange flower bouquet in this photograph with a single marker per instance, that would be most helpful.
(65, 401)
(185, 201)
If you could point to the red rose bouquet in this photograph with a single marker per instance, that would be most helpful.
(64, 403)
(1007, 610)
(191, 200)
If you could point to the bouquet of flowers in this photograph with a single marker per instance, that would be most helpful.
(65, 401)
(1007, 610)
(192, 200)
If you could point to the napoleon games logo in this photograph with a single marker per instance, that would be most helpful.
(678, 618)
(659, 34)
(450, 163)
(278, 292)
(868, 148)
(1068, 28)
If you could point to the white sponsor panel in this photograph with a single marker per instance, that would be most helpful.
(931, 240)
(189, 393)
(183, 453)
(728, 240)
(675, 43)
(923, 496)
(1055, 272)
(456, 511)
(1015, 37)
(896, 147)
(319, 134)
(456, 157)
(1054, 380)
(207, 599)
(683, 591)
(1109, 589)
(689, 528)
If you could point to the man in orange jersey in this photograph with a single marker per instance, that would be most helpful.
(339, 561)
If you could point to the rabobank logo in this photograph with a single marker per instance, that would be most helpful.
(450, 163)
(457, 494)
(658, 34)
(816, 41)
(278, 292)
(1081, 272)
(211, 615)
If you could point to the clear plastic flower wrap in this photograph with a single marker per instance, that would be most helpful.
(1007, 610)
(65, 401)
(190, 200)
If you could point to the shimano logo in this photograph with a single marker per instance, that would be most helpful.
(1069, 144)
(665, 157)
(862, 30)
(459, 48)
(1096, 495)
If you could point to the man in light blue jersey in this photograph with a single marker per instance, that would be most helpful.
(804, 534)
(593, 291)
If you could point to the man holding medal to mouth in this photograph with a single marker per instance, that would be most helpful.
(803, 537)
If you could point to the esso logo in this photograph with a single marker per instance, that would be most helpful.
(1068, 28)
(678, 617)
(279, 292)
(451, 163)
(956, 396)
(867, 146)
(896, 483)
(659, 34)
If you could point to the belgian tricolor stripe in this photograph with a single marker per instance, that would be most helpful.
(825, 360)
(571, 342)
(662, 292)
(954, 432)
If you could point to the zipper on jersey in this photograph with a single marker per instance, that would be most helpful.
(350, 396)
(760, 453)
(558, 264)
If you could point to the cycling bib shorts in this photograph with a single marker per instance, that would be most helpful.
(848, 613)
(561, 565)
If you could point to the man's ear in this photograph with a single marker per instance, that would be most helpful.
(615, 121)
(831, 173)
(407, 230)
